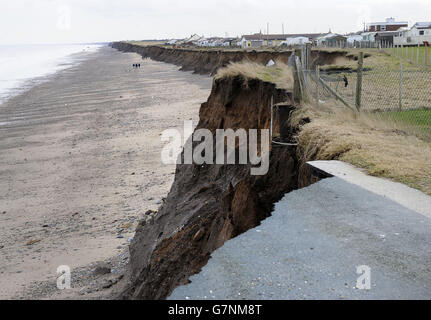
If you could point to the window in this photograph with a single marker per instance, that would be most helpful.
(383, 28)
(421, 33)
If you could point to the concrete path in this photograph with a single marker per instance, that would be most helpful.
(311, 246)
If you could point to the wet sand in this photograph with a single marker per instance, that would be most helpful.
(80, 164)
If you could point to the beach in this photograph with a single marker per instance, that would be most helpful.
(80, 166)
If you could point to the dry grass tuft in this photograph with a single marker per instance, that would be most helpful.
(366, 142)
(280, 74)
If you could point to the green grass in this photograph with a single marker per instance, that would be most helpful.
(414, 117)
(410, 54)
(418, 120)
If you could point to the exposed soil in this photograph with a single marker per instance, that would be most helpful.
(210, 204)
(209, 61)
(80, 166)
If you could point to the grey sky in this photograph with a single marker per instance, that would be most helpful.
(61, 21)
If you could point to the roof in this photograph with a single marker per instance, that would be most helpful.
(330, 36)
(261, 36)
(388, 33)
(193, 38)
(368, 33)
(422, 25)
(389, 21)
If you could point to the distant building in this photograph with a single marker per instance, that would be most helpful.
(294, 41)
(369, 36)
(389, 25)
(272, 40)
(419, 34)
(354, 38)
(331, 40)
(192, 40)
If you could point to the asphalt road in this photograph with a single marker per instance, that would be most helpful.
(311, 246)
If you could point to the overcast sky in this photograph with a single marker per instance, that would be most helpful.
(62, 21)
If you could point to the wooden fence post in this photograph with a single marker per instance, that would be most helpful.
(400, 101)
(417, 54)
(359, 81)
(317, 84)
(307, 66)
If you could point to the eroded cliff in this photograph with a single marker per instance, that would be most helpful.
(209, 61)
(210, 204)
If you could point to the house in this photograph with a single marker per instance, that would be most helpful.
(171, 42)
(331, 40)
(353, 38)
(259, 39)
(295, 41)
(272, 40)
(369, 36)
(386, 38)
(194, 38)
(389, 25)
(419, 34)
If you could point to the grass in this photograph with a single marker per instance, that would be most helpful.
(147, 43)
(374, 59)
(366, 141)
(412, 54)
(280, 74)
(412, 117)
(381, 90)
(417, 122)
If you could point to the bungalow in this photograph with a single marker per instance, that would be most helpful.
(331, 40)
(259, 39)
(386, 38)
(354, 38)
(419, 34)
(389, 25)
(369, 36)
(192, 39)
(295, 41)
(272, 40)
(171, 42)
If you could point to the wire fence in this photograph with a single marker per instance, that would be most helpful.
(401, 96)
(420, 55)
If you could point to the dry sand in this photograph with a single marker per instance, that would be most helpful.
(80, 165)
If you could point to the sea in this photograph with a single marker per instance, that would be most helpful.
(23, 66)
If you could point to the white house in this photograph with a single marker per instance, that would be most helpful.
(369, 36)
(294, 41)
(417, 35)
(354, 38)
(172, 42)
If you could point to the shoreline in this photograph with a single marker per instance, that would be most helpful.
(82, 166)
(57, 64)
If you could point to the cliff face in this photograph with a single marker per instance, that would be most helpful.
(210, 204)
(200, 61)
(209, 61)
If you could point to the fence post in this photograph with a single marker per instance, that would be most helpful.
(418, 54)
(272, 112)
(317, 84)
(426, 55)
(400, 103)
(359, 81)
